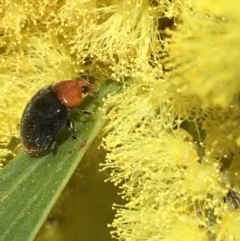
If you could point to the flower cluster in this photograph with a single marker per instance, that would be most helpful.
(173, 139)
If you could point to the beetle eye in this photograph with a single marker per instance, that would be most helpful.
(85, 89)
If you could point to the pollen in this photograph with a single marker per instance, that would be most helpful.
(172, 134)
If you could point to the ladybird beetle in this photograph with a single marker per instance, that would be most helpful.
(47, 113)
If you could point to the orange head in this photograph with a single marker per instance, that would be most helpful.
(71, 92)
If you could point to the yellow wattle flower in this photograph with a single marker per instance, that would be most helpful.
(173, 137)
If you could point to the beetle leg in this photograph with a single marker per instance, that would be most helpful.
(53, 147)
(82, 111)
(71, 129)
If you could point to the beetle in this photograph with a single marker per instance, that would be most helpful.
(47, 113)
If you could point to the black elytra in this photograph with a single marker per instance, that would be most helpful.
(47, 113)
(43, 118)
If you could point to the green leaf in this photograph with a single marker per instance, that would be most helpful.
(29, 186)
